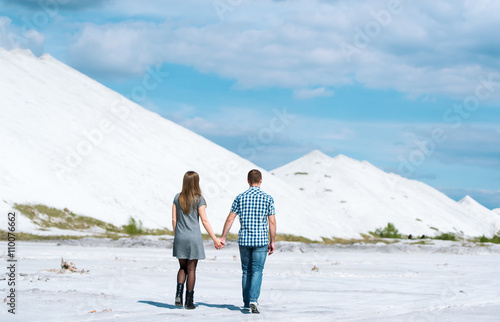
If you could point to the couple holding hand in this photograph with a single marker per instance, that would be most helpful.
(256, 212)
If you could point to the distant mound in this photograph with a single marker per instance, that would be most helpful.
(361, 195)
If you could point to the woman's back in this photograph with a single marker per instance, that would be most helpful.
(188, 208)
(188, 242)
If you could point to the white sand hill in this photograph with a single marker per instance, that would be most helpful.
(70, 142)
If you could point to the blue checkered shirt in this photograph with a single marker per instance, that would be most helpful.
(253, 206)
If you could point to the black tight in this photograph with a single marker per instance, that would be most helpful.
(187, 271)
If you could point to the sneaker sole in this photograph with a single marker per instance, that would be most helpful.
(254, 308)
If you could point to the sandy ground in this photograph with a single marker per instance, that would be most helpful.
(134, 280)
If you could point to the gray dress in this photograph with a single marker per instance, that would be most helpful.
(188, 243)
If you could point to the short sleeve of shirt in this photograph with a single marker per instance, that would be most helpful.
(201, 202)
(176, 199)
(235, 208)
(271, 211)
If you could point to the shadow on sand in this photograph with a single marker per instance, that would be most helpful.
(163, 305)
(229, 307)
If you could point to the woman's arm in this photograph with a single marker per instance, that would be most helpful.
(208, 228)
(174, 217)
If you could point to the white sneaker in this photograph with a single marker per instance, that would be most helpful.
(254, 307)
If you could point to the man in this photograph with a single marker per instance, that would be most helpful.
(256, 210)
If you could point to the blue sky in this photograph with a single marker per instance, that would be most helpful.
(414, 88)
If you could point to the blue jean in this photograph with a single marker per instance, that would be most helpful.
(252, 264)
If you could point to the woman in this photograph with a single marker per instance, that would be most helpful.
(188, 207)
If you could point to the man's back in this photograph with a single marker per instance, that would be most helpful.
(253, 207)
(256, 210)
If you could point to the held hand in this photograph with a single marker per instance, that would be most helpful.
(270, 248)
(223, 241)
(218, 244)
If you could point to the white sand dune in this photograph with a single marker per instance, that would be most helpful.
(366, 197)
(472, 206)
(73, 143)
(70, 142)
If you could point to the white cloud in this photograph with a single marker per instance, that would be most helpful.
(58, 4)
(12, 37)
(201, 125)
(426, 49)
(470, 144)
(119, 49)
(237, 121)
(311, 93)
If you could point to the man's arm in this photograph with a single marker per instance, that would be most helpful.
(272, 231)
(227, 225)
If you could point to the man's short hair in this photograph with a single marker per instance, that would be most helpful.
(254, 176)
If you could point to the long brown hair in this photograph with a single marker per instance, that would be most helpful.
(191, 191)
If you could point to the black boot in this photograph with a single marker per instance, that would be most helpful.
(189, 301)
(178, 294)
